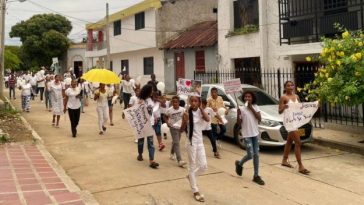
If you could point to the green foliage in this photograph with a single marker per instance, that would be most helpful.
(43, 36)
(250, 28)
(341, 79)
(12, 60)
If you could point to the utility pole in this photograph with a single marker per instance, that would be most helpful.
(107, 61)
(2, 48)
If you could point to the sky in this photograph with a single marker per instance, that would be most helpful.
(83, 10)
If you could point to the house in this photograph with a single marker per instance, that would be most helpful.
(261, 35)
(76, 58)
(193, 50)
(138, 34)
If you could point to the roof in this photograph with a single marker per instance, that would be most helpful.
(137, 8)
(203, 34)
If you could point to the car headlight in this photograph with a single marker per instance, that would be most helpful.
(269, 123)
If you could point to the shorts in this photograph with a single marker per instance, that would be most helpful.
(157, 127)
(109, 103)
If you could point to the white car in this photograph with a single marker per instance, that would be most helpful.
(272, 131)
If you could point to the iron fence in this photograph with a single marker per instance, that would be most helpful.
(272, 81)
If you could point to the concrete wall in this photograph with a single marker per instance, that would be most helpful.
(136, 63)
(190, 64)
(172, 18)
(263, 44)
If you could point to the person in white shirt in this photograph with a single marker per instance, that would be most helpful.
(72, 104)
(41, 83)
(248, 118)
(47, 95)
(127, 88)
(111, 92)
(25, 95)
(173, 118)
(56, 91)
(194, 120)
(33, 82)
(102, 107)
(208, 129)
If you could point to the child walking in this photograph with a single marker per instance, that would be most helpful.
(134, 101)
(173, 118)
(194, 120)
(25, 95)
(248, 118)
(208, 130)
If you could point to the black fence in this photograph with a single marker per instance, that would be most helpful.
(272, 81)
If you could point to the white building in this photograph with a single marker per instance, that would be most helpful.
(76, 58)
(138, 33)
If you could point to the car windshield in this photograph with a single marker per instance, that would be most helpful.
(262, 97)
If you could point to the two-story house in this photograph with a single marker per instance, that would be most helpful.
(266, 35)
(138, 35)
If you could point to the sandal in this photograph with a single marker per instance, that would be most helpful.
(104, 128)
(304, 171)
(199, 197)
(111, 124)
(154, 165)
(287, 165)
(101, 133)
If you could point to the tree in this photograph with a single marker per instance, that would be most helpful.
(12, 60)
(43, 36)
(341, 79)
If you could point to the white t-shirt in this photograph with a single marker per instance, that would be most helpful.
(102, 100)
(26, 89)
(163, 110)
(249, 125)
(73, 101)
(150, 104)
(127, 87)
(33, 81)
(156, 110)
(41, 77)
(133, 100)
(210, 112)
(175, 116)
(198, 126)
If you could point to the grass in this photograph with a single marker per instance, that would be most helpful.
(250, 28)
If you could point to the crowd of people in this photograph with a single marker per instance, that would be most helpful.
(196, 118)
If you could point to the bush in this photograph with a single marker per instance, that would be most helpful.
(250, 28)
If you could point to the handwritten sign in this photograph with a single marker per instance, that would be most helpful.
(298, 114)
(232, 86)
(139, 120)
(189, 87)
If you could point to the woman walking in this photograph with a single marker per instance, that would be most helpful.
(288, 98)
(127, 88)
(195, 121)
(47, 95)
(145, 98)
(56, 89)
(72, 103)
(25, 95)
(248, 118)
(111, 92)
(102, 107)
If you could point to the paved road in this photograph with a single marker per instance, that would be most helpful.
(107, 167)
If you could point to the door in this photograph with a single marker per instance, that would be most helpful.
(77, 68)
(180, 64)
(125, 65)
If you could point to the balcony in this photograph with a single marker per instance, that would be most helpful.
(306, 21)
(96, 49)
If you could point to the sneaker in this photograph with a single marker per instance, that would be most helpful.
(172, 157)
(140, 157)
(161, 146)
(217, 155)
(238, 168)
(182, 163)
(258, 180)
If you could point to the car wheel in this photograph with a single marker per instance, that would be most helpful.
(238, 137)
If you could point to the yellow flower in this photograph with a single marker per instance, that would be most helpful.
(332, 49)
(338, 62)
(329, 80)
(346, 34)
(354, 58)
(360, 44)
(357, 74)
(326, 75)
(308, 59)
(358, 55)
(341, 53)
(323, 70)
(340, 45)
(347, 97)
(321, 75)
(322, 54)
(326, 50)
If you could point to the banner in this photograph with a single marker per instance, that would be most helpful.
(298, 114)
(189, 87)
(139, 120)
(232, 86)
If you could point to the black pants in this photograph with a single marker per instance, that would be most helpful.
(209, 134)
(11, 91)
(126, 99)
(74, 115)
(41, 91)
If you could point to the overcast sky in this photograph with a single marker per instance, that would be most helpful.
(85, 10)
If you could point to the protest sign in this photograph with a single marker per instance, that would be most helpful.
(189, 87)
(232, 86)
(298, 114)
(139, 120)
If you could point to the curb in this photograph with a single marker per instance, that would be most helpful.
(85, 195)
(339, 145)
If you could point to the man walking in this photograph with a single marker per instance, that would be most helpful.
(12, 83)
(216, 102)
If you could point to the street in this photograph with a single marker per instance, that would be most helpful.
(107, 167)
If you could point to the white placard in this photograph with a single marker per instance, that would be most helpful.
(232, 86)
(189, 87)
(55, 60)
(139, 120)
(298, 114)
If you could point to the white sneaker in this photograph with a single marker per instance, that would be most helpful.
(182, 163)
(172, 157)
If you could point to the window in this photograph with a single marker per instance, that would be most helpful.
(111, 66)
(246, 12)
(117, 28)
(139, 21)
(148, 66)
(200, 61)
(125, 65)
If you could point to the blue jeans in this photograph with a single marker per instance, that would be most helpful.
(252, 152)
(220, 135)
(150, 147)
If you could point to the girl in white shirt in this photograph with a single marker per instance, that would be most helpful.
(25, 95)
(72, 103)
(56, 91)
(102, 107)
(249, 117)
(194, 120)
(127, 88)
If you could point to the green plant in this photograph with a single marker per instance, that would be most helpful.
(341, 79)
(250, 28)
(4, 138)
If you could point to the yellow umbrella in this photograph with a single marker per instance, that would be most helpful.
(99, 75)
